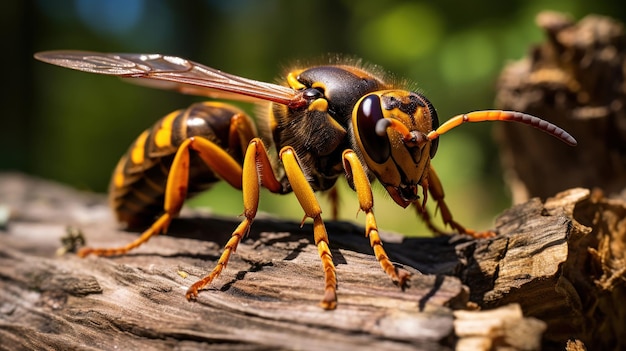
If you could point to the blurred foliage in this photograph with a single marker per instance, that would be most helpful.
(72, 127)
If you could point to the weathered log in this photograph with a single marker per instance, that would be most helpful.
(561, 261)
(575, 79)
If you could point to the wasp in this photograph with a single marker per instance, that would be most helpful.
(322, 122)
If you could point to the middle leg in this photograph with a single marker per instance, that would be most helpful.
(304, 193)
(256, 171)
(435, 188)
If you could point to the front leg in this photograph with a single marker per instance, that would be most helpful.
(354, 171)
(435, 188)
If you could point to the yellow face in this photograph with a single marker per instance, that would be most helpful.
(390, 133)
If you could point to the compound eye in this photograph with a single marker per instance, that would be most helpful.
(434, 123)
(369, 112)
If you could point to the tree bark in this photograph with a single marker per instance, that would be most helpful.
(574, 79)
(553, 274)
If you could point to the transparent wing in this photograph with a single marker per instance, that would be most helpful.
(173, 73)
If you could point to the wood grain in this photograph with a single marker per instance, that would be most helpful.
(268, 296)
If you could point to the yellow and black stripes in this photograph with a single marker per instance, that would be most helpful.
(137, 188)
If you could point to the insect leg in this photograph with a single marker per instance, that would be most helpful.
(175, 193)
(354, 171)
(423, 213)
(436, 190)
(311, 207)
(241, 132)
(256, 171)
(333, 197)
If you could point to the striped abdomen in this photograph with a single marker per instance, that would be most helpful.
(137, 188)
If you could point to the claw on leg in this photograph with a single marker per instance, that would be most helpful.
(435, 188)
(310, 205)
(231, 246)
(354, 171)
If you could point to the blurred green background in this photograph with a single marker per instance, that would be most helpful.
(72, 127)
